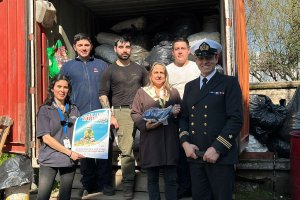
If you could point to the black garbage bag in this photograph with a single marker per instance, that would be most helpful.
(140, 39)
(279, 146)
(161, 53)
(106, 52)
(261, 134)
(16, 171)
(265, 114)
(184, 25)
(162, 36)
(138, 55)
(292, 121)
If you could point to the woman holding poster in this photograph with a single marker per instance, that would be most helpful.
(55, 121)
(159, 142)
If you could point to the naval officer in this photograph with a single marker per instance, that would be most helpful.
(212, 117)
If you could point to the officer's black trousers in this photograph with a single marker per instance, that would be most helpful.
(212, 181)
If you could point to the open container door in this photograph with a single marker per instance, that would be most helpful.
(13, 72)
(242, 65)
(236, 58)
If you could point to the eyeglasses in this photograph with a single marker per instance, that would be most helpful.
(64, 123)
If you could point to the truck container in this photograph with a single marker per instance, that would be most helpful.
(23, 67)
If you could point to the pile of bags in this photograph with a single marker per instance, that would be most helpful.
(152, 42)
(269, 124)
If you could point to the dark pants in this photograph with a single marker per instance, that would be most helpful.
(46, 179)
(212, 181)
(96, 173)
(169, 179)
(183, 173)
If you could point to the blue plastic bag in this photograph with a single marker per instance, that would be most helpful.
(157, 114)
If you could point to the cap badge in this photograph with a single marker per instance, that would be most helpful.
(204, 47)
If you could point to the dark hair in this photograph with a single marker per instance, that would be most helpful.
(81, 36)
(180, 39)
(50, 96)
(122, 40)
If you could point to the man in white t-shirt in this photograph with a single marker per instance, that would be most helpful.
(181, 71)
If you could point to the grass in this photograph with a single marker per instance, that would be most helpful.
(246, 191)
(5, 156)
(259, 195)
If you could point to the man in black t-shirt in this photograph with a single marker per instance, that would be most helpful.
(121, 80)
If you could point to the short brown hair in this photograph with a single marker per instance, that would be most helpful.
(180, 39)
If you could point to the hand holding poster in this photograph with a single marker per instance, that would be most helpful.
(91, 134)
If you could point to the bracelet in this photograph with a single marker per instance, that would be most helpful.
(70, 154)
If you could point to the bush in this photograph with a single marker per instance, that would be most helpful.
(5, 156)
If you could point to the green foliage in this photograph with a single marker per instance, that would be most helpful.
(273, 39)
(258, 195)
(5, 156)
(246, 190)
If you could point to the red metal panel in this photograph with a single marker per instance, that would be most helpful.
(42, 70)
(13, 71)
(242, 62)
(41, 74)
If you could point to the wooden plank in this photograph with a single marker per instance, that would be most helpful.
(273, 85)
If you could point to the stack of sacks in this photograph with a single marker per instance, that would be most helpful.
(137, 24)
(106, 48)
(161, 49)
(201, 35)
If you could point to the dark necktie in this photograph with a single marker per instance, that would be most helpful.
(204, 81)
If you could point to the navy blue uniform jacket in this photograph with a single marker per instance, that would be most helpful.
(213, 116)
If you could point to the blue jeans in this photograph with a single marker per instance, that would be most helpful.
(46, 179)
(170, 176)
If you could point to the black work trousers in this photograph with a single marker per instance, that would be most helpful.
(183, 173)
(96, 173)
(212, 181)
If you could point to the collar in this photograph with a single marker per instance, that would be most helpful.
(209, 76)
(91, 58)
(162, 98)
(185, 64)
(54, 106)
(122, 65)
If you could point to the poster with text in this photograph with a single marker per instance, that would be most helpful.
(91, 134)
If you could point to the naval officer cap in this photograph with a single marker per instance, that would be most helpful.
(206, 47)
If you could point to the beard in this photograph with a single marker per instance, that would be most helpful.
(123, 57)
